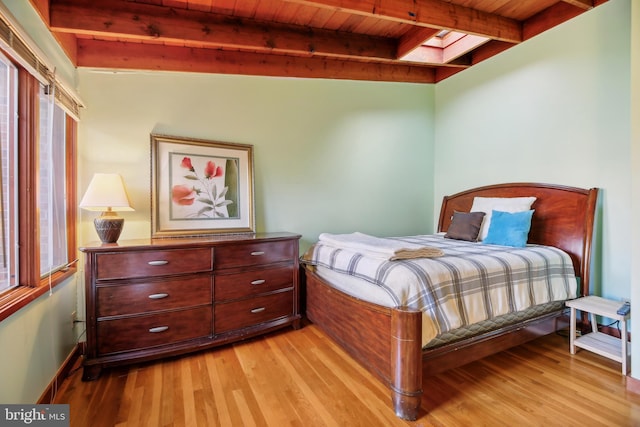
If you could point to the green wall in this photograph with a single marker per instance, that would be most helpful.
(35, 341)
(554, 109)
(329, 155)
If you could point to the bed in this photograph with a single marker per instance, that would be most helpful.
(388, 340)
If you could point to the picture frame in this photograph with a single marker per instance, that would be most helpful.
(200, 187)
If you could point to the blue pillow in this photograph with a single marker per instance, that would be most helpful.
(509, 229)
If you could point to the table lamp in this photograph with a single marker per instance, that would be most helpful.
(106, 193)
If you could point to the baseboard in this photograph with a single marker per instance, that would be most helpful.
(49, 394)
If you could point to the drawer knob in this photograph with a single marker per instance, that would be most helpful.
(258, 310)
(158, 329)
(257, 253)
(158, 296)
(258, 282)
(159, 262)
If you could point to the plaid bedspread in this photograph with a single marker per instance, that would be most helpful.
(470, 283)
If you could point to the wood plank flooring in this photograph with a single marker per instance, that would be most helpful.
(301, 378)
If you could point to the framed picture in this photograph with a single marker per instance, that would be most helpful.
(200, 187)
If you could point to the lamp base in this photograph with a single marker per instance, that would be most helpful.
(108, 226)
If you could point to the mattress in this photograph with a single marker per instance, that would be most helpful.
(472, 286)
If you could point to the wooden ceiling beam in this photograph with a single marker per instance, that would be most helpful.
(414, 38)
(151, 22)
(461, 47)
(489, 49)
(157, 57)
(582, 4)
(66, 41)
(178, 36)
(437, 14)
(549, 18)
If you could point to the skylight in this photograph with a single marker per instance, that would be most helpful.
(444, 47)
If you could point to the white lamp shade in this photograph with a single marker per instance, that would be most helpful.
(106, 191)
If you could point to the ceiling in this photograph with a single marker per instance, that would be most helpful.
(375, 40)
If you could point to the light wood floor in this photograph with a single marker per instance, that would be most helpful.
(301, 378)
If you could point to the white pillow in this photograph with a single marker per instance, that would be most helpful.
(504, 204)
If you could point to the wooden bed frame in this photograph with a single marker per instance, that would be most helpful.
(387, 341)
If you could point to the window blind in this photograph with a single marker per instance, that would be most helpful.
(20, 47)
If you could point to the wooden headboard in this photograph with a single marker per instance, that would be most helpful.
(564, 217)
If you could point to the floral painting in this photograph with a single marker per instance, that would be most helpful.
(200, 187)
(205, 187)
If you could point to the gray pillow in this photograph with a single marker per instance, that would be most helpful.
(465, 226)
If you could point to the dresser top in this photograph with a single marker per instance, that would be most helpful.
(181, 242)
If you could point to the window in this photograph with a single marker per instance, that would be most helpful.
(37, 227)
(8, 151)
(52, 192)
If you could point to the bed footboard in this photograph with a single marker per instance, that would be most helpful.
(387, 342)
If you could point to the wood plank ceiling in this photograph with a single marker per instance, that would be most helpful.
(420, 41)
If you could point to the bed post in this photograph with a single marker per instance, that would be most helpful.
(406, 363)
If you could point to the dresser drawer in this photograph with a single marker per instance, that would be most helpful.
(120, 265)
(240, 285)
(125, 299)
(253, 254)
(138, 332)
(253, 311)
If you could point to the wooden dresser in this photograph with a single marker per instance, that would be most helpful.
(147, 299)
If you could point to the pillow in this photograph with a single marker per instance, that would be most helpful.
(465, 226)
(504, 204)
(509, 229)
